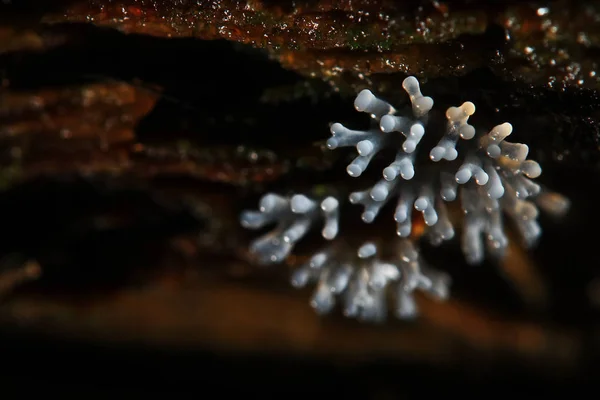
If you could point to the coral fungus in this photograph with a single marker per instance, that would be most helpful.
(490, 176)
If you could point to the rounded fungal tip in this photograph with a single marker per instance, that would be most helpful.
(329, 232)
(379, 193)
(448, 194)
(431, 219)
(496, 191)
(467, 132)
(368, 217)
(300, 278)
(407, 172)
(494, 151)
(354, 198)
(403, 230)
(553, 203)
(389, 173)
(462, 176)
(410, 84)
(367, 250)
(531, 169)
(387, 123)
(250, 219)
(318, 260)
(529, 211)
(450, 154)
(337, 128)
(409, 146)
(424, 104)
(329, 204)
(400, 215)
(506, 128)
(437, 153)
(452, 113)
(365, 147)
(364, 98)
(421, 204)
(354, 170)
(300, 204)
(481, 178)
(267, 202)
(468, 108)
(417, 129)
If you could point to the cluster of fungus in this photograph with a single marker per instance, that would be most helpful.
(490, 178)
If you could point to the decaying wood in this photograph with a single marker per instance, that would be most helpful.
(550, 44)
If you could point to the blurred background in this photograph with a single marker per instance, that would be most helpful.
(132, 134)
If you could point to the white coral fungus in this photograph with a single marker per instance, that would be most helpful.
(492, 177)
